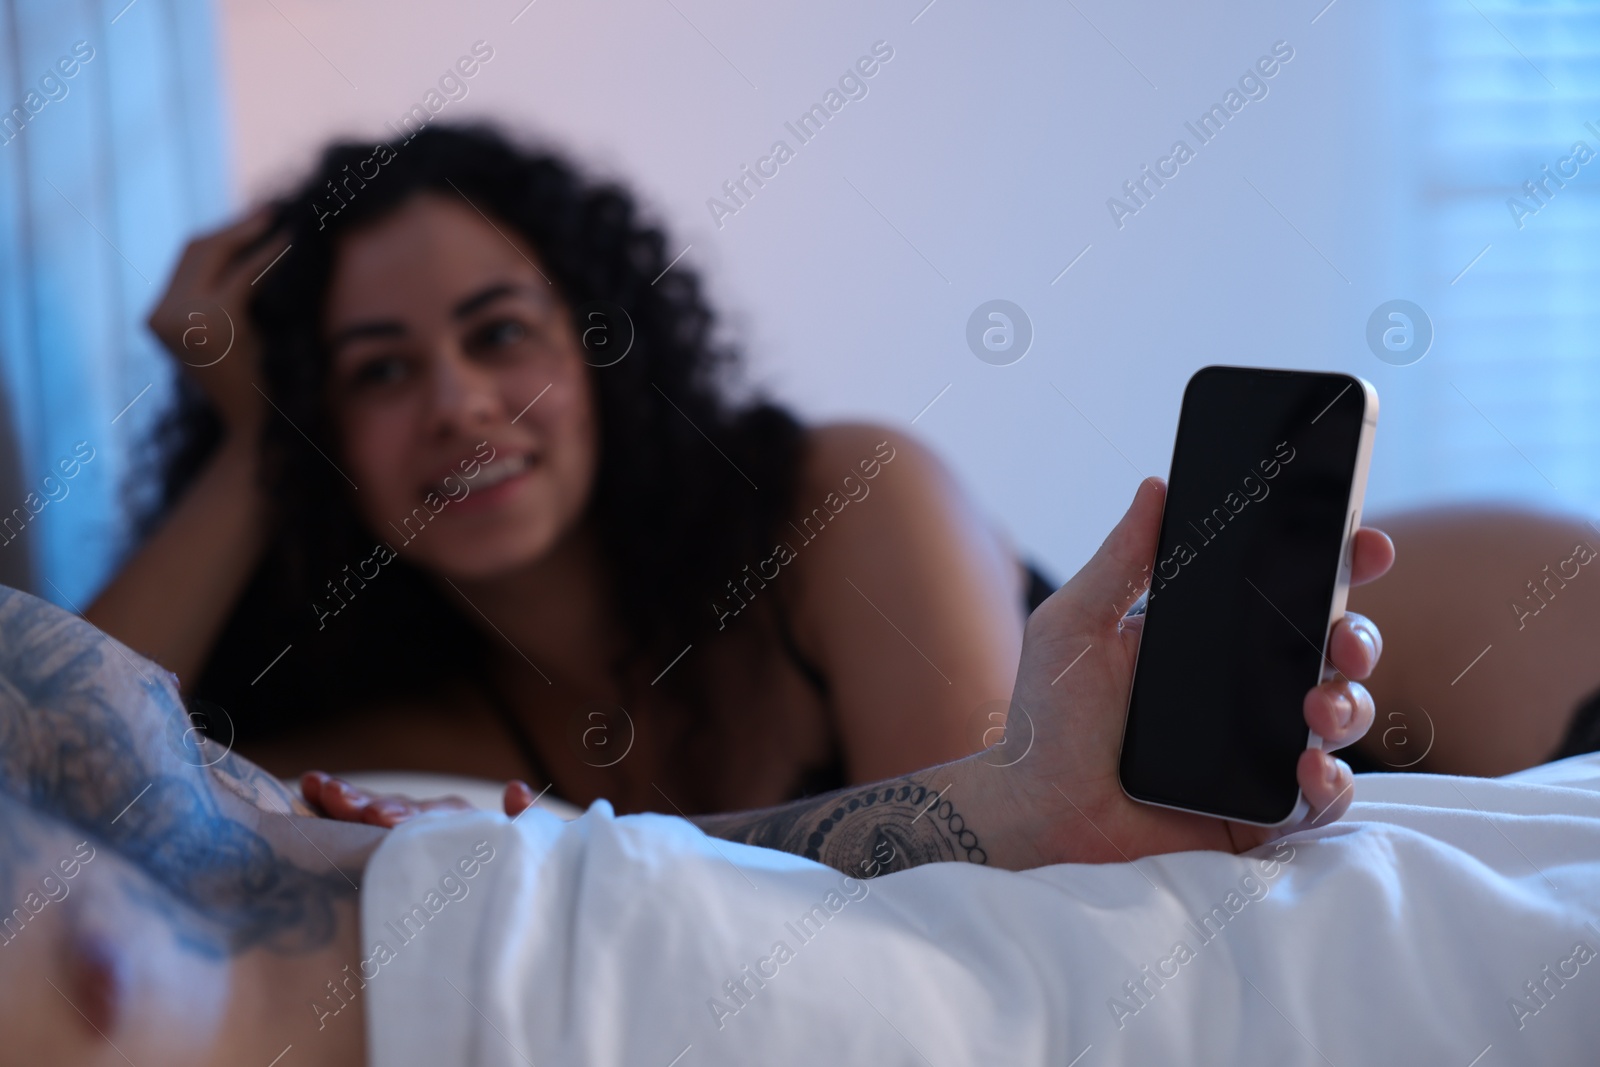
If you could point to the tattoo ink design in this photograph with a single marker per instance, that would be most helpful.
(889, 826)
(85, 738)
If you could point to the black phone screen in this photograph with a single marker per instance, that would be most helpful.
(1258, 503)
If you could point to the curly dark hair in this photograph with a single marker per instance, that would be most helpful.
(674, 520)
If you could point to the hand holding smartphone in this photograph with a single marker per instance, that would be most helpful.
(1251, 571)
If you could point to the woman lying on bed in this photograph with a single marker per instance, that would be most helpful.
(100, 776)
(474, 502)
(466, 495)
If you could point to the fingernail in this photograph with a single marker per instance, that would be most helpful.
(389, 809)
(1345, 710)
(356, 798)
(1330, 774)
(1369, 639)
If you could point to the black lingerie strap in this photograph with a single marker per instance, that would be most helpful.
(1583, 732)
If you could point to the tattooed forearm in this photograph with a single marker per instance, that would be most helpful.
(868, 830)
(99, 739)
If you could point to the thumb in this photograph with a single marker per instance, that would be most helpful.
(1119, 571)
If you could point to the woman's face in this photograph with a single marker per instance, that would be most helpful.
(465, 412)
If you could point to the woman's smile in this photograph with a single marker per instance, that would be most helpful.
(499, 482)
(459, 389)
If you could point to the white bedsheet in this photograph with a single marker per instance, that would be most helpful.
(1414, 931)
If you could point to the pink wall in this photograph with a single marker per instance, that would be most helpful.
(976, 167)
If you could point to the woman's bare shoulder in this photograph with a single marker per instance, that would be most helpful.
(847, 461)
(879, 511)
(890, 505)
(912, 491)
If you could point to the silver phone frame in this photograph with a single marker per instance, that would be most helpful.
(1341, 589)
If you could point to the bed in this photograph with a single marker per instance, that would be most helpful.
(1445, 920)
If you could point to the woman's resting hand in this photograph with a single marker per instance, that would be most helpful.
(1059, 803)
(338, 799)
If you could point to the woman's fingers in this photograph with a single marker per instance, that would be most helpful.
(1371, 556)
(242, 269)
(320, 792)
(208, 257)
(519, 798)
(391, 811)
(1326, 783)
(340, 800)
(219, 266)
(1354, 646)
(1340, 712)
(337, 799)
(253, 223)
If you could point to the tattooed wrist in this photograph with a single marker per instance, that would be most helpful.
(863, 831)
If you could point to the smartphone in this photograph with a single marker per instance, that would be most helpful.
(1251, 572)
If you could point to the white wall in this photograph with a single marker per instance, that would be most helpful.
(990, 144)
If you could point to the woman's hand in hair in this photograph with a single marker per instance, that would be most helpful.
(203, 318)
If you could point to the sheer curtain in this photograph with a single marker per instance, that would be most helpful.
(112, 152)
(1504, 150)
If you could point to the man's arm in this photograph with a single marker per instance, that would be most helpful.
(891, 825)
(97, 737)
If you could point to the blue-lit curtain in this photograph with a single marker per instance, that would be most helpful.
(104, 172)
(1504, 94)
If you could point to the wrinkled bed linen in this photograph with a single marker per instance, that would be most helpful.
(1441, 918)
